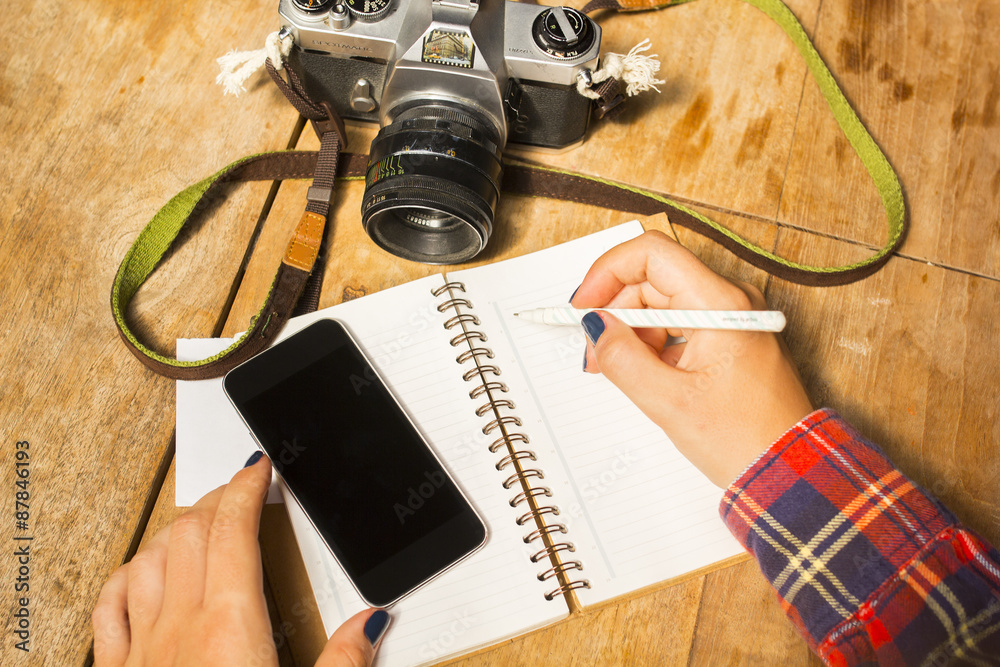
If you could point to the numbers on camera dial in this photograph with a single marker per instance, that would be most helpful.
(313, 6)
(369, 11)
(563, 32)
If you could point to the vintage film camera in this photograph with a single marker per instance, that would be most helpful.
(451, 83)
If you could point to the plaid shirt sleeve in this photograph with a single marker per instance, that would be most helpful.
(867, 565)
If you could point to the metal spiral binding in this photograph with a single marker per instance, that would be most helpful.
(486, 407)
(486, 388)
(475, 352)
(466, 336)
(571, 586)
(448, 286)
(544, 509)
(532, 492)
(510, 439)
(525, 474)
(499, 422)
(561, 567)
(481, 370)
(461, 319)
(451, 303)
(547, 530)
(555, 548)
(515, 456)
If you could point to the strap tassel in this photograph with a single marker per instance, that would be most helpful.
(635, 70)
(238, 66)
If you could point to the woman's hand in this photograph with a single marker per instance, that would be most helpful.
(193, 595)
(723, 396)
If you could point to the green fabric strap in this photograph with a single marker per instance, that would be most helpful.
(147, 251)
(861, 141)
(864, 146)
(155, 240)
(151, 245)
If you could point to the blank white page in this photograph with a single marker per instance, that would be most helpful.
(636, 509)
(492, 595)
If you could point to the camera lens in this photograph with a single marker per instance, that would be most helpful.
(432, 185)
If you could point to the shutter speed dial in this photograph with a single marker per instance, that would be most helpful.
(563, 32)
(369, 11)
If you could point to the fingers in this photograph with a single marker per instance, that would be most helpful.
(110, 620)
(354, 642)
(632, 365)
(671, 271)
(187, 554)
(146, 582)
(233, 559)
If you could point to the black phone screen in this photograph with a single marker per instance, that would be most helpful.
(362, 473)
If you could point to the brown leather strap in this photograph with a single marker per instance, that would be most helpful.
(537, 181)
(294, 272)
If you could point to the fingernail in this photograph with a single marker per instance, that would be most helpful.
(375, 626)
(585, 359)
(256, 456)
(575, 291)
(593, 326)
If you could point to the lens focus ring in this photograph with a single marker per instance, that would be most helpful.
(432, 185)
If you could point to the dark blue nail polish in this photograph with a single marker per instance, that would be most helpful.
(585, 360)
(575, 291)
(593, 326)
(375, 626)
(253, 458)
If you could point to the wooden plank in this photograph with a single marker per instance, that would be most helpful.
(909, 357)
(108, 110)
(727, 109)
(741, 623)
(924, 77)
(684, 128)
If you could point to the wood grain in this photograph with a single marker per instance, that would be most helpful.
(108, 109)
(907, 356)
(924, 78)
(726, 110)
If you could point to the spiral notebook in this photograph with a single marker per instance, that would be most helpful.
(585, 498)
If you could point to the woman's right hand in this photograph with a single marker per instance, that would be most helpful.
(723, 397)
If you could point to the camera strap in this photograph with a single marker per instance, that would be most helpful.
(303, 257)
(296, 272)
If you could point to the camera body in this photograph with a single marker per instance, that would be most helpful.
(451, 83)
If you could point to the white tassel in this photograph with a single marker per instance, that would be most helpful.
(238, 66)
(637, 71)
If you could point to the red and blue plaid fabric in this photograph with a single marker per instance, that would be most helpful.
(869, 566)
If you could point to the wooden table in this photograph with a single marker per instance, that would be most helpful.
(109, 108)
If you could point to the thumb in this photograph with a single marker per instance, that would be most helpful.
(354, 642)
(632, 366)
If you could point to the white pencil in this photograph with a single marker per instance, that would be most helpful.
(740, 320)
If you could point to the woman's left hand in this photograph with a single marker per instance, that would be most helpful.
(193, 595)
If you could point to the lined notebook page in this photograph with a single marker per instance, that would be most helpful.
(637, 511)
(495, 593)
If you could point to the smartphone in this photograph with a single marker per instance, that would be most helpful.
(354, 461)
